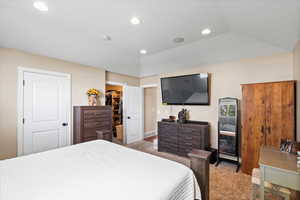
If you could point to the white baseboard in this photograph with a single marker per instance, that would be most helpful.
(149, 133)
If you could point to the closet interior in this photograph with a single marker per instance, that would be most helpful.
(114, 98)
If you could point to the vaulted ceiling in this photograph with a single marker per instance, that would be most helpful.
(73, 30)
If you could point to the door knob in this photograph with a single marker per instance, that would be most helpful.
(65, 124)
(128, 117)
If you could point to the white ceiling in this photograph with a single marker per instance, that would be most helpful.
(73, 30)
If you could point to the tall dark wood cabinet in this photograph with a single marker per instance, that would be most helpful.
(88, 120)
(268, 115)
(180, 139)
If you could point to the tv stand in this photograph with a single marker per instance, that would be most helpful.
(180, 139)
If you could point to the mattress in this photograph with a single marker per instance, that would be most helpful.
(95, 170)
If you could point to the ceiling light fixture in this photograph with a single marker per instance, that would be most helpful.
(41, 6)
(135, 21)
(206, 31)
(143, 51)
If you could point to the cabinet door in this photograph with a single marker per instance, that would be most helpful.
(280, 112)
(253, 125)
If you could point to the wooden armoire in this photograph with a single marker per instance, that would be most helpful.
(268, 115)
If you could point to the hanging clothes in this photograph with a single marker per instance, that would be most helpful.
(108, 99)
(120, 111)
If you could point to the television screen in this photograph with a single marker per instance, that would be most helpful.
(185, 90)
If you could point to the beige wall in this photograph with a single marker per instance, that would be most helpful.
(150, 109)
(150, 80)
(83, 78)
(120, 78)
(225, 82)
(297, 77)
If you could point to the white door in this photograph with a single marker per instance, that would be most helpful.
(133, 114)
(46, 101)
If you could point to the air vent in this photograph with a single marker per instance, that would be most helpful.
(178, 40)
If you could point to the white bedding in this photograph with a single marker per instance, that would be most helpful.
(96, 170)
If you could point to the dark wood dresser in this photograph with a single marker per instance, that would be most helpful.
(88, 120)
(180, 139)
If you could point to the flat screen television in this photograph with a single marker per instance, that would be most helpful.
(186, 90)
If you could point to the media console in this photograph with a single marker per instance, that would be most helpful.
(180, 139)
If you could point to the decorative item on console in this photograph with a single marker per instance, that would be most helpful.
(291, 147)
(182, 116)
(93, 95)
(172, 118)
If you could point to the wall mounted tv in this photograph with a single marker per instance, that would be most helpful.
(186, 90)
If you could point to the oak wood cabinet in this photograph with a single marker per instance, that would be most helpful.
(268, 115)
(90, 119)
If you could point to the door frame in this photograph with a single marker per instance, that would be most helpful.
(20, 102)
(143, 109)
(123, 85)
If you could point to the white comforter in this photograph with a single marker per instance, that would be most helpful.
(96, 170)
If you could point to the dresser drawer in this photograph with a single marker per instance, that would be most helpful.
(168, 137)
(97, 119)
(187, 137)
(94, 114)
(167, 128)
(103, 124)
(89, 132)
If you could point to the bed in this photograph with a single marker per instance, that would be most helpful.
(96, 170)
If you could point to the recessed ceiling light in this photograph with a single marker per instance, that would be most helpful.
(143, 51)
(106, 37)
(135, 21)
(178, 40)
(206, 31)
(40, 5)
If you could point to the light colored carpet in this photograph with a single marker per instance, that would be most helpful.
(225, 183)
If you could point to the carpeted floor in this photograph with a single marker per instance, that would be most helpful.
(225, 183)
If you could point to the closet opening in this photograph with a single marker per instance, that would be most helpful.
(114, 98)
